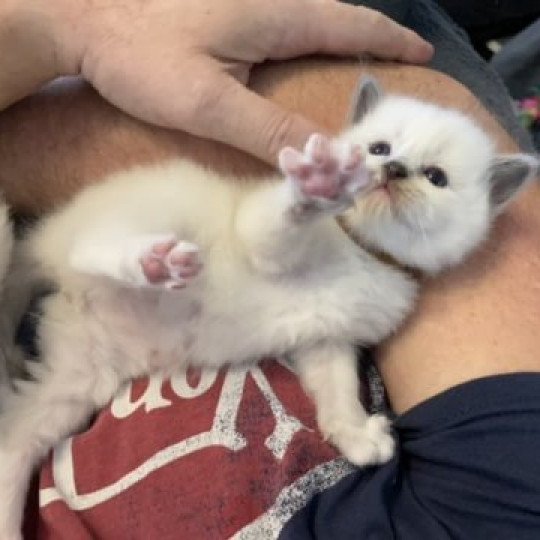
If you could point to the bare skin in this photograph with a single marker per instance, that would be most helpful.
(184, 64)
(479, 319)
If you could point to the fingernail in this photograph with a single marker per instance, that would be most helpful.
(422, 51)
(428, 50)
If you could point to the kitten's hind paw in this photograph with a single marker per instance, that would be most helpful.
(169, 263)
(369, 444)
(326, 175)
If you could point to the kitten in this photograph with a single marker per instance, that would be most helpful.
(172, 265)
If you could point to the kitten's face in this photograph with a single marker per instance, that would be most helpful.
(429, 166)
(432, 198)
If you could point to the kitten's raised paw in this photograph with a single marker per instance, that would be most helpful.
(170, 263)
(327, 174)
(372, 443)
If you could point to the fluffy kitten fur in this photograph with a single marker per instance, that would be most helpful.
(278, 274)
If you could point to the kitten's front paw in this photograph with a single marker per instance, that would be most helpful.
(170, 263)
(368, 444)
(326, 175)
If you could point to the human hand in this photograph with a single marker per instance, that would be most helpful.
(184, 63)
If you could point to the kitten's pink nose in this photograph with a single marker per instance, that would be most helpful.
(395, 170)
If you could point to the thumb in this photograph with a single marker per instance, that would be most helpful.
(235, 115)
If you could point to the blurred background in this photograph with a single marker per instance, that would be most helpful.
(507, 34)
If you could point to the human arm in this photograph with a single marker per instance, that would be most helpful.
(184, 64)
(476, 321)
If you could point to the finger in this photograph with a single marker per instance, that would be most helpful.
(235, 115)
(336, 28)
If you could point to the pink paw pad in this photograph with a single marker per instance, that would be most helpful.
(171, 263)
(325, 169)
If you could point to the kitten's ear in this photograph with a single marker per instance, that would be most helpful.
(508, 174)
(368, 95)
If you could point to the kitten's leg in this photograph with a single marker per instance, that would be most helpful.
(35, 419)
(151, 260)
(328, 373)
(276, 221)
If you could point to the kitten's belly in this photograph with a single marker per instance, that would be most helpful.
(268, 319)
(253, 317)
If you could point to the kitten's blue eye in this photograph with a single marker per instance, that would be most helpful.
(380, 148)
(436, 176)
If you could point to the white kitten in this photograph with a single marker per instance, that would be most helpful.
(170, 265)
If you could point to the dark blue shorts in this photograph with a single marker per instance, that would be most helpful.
(468, 467)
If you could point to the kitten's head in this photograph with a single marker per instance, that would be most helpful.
(438, 182)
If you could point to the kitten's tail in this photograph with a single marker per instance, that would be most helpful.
(6, 241)
(19, 281)
(6, 249)
(15, 291)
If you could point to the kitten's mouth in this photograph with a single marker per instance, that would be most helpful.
(383, 188)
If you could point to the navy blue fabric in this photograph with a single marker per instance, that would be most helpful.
(468, 467)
